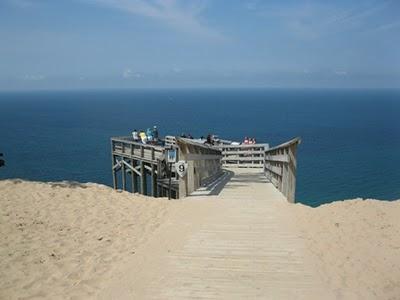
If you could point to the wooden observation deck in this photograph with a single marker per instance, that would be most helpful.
(151, 174)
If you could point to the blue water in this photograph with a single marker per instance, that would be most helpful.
(350, 138)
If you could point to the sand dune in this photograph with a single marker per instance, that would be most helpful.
(62, 240)
(66, 240)
(356, 245)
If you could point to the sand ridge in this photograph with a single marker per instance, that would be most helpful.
(85, 241)
(62, 240)
(356, 246)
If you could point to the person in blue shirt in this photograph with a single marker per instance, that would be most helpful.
(149, 134)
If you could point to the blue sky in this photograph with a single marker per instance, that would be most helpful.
(47, 44)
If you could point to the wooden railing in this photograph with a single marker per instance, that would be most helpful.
(203, 164)
(280, 167)
(170, 141)
(126, 146)
(143, 161)
(243, 156)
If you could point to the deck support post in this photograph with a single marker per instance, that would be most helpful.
(159, 187)
(123, 175)
(153, 181)
(143, 183)
(134, 178)
(114, 173)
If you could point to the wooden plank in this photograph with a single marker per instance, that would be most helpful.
(129, 141)
(132, 168)
(275, 181)
(123, 175)
(114, 173)
(260, 152)
(195, 156)
(135, 176)
(244, 166)
(296, 141)
(153, 181)
(274, 169)
(235, 158)
(143, 184)
(141, 151)
(159, 189)
(279, 158)
(117, 166)
(146, 156)
(245, 146)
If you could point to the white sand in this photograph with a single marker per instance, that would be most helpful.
(356, 245)
(63, 242)
(71, 241)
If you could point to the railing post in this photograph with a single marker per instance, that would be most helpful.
(114, 173)
(123, 174)
(143, 179)
(153, 180)
(134, 178)
(280, 167)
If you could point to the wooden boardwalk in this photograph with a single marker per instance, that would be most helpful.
(239, 244)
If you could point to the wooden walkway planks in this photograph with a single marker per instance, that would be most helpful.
(237, 245)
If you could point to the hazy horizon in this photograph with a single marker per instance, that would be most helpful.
(114, 44)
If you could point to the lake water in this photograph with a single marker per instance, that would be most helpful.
(350, 138)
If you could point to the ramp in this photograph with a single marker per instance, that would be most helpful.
(239, 244)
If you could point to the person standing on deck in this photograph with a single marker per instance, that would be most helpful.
(155, 134)
(135, 135)
(143, 137)
(208, 141)
(149, 134)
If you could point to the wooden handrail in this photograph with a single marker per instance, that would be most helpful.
(280, 167)
(244, 156)
(127, 147)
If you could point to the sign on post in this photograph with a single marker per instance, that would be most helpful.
(171, 159)
(181, 168)
(171, 156)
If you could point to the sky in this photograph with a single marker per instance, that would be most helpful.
(78, 44)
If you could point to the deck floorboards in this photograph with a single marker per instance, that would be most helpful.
(239, 244)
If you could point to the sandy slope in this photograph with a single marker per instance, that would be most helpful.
(62, 240)
(356, 244)
(66, 241)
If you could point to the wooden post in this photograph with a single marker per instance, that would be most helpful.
(159, 187)
(123, 175)
(153, 181)
(141, 151)
(169, 180)
(143, 185)
(112, 165)
(114, 173)
(134, 178)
